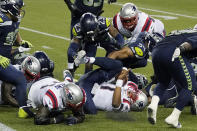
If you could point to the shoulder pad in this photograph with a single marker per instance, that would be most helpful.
(138, 48)
(76, 30)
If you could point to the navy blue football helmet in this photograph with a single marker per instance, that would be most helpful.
(47, 65)
(13, 7)
(151, 38)
(89, 25)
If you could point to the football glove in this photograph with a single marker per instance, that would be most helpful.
(81, 58)
(23, 49)
(176, 54)
(111, 1)
(71, 120)
(26, 44)
(4, 62)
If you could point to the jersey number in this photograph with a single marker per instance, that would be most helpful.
(11, 37)
(92, 3)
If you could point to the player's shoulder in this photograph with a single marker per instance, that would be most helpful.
(4, 20)
(76, 30)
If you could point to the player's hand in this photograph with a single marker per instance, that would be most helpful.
(23, 49)
(4, 62)
(176, 54)
(81, 58)
(111, 1)
(71, 120)
(26, 44)
(124, 75)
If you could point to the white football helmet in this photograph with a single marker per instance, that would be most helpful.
(129, 16)
(140, 103)
(31, 68)
(73, 95)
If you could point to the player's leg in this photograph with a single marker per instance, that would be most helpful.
(17, 78)
(184, 77)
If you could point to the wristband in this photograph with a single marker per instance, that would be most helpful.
(119, 83)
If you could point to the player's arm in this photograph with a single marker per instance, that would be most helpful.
(125, 52)
(121, 80)
(78, 117)
(73, 8)
(117, 36)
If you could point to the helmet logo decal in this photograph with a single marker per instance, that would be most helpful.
(140, 104)
(69, 96)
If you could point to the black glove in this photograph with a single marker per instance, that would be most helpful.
(71, 120)
(57, 119)
(111, 1)
(73, 8)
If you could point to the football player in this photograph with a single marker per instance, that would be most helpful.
(31, 69)
(51, 97)
(89, 33)
(114, 97)
(10, 16)
(79, 7)
(136, 53)
(130, 22)
(102, 78)
(175, 64)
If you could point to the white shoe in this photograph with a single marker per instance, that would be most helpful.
(80, 58)
(194, 105)
(173, 122)
(151, 114)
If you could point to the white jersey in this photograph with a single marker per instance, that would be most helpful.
(104, 93)
(47, 92)
(145, 23)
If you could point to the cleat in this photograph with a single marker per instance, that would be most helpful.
(194, 105)
(80, 58)
(151, 114)
(67, 76)
(173, 122)
(24, 112)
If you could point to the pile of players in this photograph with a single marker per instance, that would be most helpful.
(128, 42)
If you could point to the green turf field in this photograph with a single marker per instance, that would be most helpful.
(46, 25)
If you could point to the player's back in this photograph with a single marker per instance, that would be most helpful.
(93, 6)
(39, 88)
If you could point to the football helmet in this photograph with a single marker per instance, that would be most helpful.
(142, 80)
(73, 95)
(129, 16)
(47, 65)
(89, 26)
(31, 68)
(140, 103)
(13, 7)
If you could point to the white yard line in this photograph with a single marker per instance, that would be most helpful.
(5, 128)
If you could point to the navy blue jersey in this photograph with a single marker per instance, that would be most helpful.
(102, 34)
(93, 6)
(8, 32)
(173, 41)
